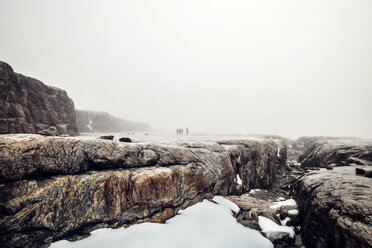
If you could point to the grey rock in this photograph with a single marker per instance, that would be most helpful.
(29, 106)
(335, 208)
(53, 188)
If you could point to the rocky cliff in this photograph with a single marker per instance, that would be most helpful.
(335, 208)
(28, 105)
(332, 151)
(94, 121)
(53, 188)
(335, 204)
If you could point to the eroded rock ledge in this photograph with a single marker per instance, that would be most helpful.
(335, 205)
(335, 208)
(53, 188)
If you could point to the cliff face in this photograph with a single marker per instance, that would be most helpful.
(93, 121)
(53, 188)
(28, 105)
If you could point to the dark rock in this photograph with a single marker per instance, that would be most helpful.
(335, 208)
(94, 121)
(53, 188)
(29, 106)
(363, 172)
(107, 137)
(51, 131)
(125, 140)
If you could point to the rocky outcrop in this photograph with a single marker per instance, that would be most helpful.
(28, 105)
(326, 151)
(335, 208)
(94, 121)
(53, 188)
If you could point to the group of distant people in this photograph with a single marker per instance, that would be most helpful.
(180, 131)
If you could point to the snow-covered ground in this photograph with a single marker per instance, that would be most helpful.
(204, 224)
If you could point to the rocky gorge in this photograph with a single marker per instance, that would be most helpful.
(54, 188)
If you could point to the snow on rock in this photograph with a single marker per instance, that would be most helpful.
(274, 231)
(204, 224)
(238, 180)
(280, 199)
(285, 221)
(227, 203)
(290, 202)
(293, 212)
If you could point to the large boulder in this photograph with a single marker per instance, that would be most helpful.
(54, 187)
(29, 106)
(335, 208)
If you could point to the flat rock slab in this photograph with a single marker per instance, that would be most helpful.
(55, 188)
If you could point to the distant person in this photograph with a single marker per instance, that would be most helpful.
(187, 130)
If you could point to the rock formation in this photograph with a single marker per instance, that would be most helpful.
(94, 121)
(28, 105)
(54, 188)
(326, 151)
(335, 205)
(335, 208)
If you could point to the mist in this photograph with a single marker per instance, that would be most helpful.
(291, 68)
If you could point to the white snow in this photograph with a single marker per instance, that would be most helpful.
(271, 229)
(204, 224)
(226, 203)
(290, 202)
(293, 212)
(284, 222)
(280, 199)
(238, 180)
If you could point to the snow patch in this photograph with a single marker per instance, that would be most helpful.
(290, 202)
(204, 224)
(280, 199)
(293, 212)
(238, 180)
(226, 203)
(273, 230)
(284, 222)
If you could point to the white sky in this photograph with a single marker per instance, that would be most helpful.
(287, 67)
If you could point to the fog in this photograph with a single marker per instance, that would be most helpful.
(286, 67)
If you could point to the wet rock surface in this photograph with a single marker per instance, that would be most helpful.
(335, 208)
(29, 106)
(62, 188)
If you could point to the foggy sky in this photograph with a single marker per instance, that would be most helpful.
(287, 67)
